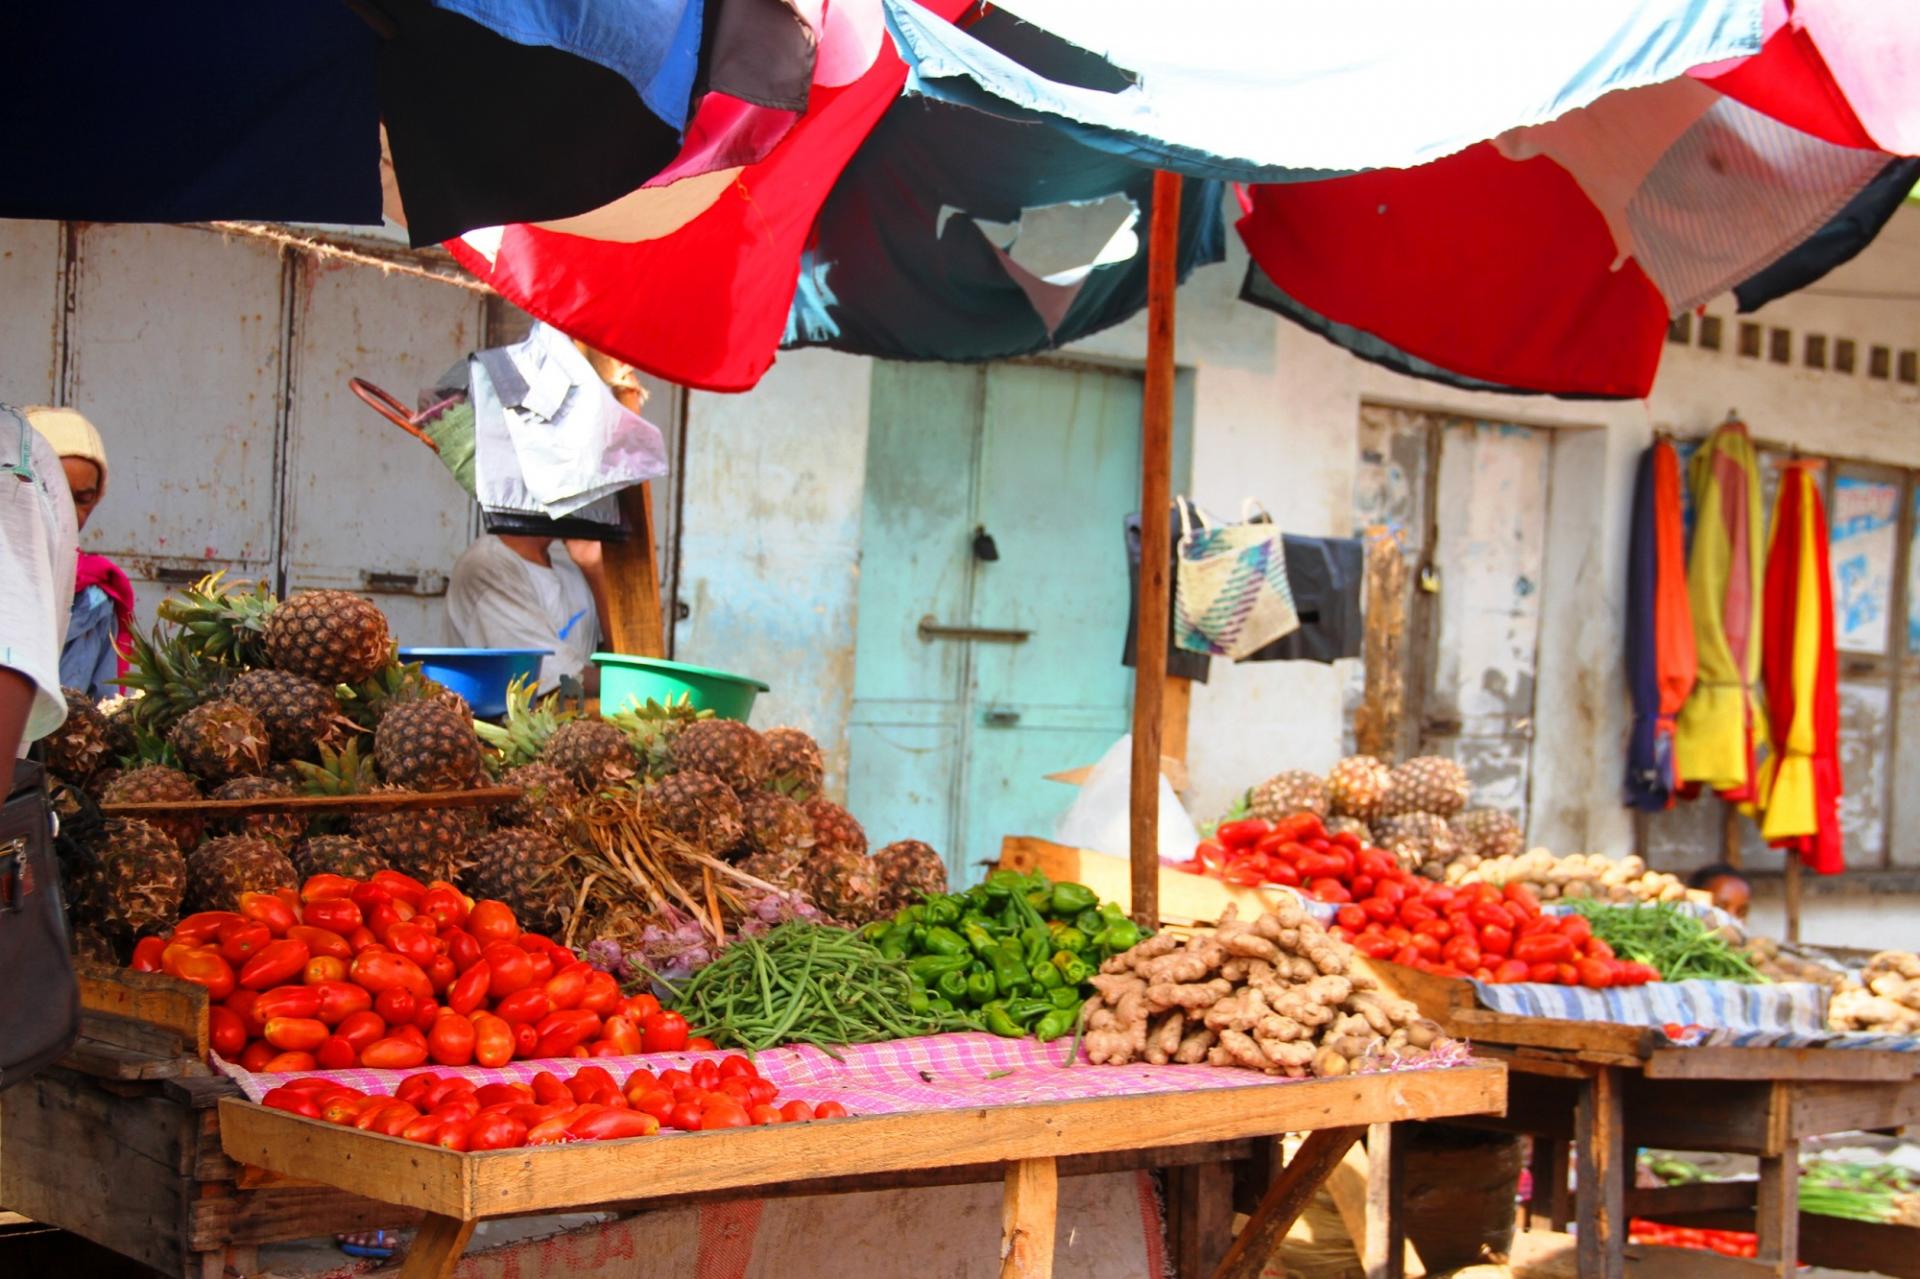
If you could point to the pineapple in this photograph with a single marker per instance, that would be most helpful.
(699, 808)
(1420, 841)
(221, 869)
(122, 738)
(224, 623)
(1428, 784)
(773, 868)
(1285, 794)
(171, 677)
(592, 752)
(523, 737)
(723, 748)
(1350, 826)
(278, 829)
(298, 712)
(518, 866)
(651, 729)
(90, 942)
(546, 790)
(909, 870)
(834, 828)
(1487, 832)
(334, 637)
(366, 702)
(777, 826)
(426, 745)
(143, 878)
(794, 766)
(341, 771)
(335, 855)
(78, 748)
(153, 784)
(1357, 787)
(426, 843)
(844, 884)
(220, 739)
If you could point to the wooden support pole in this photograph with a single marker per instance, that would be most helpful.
(1794, 887)
(436, 1248)
(1285, 1200)
(1377, 721)
(1383, 1251)
(1549, 1166)
(1156, 465)
(1777, 1210)
(1199, 1217)
(627, 591)
(1601, 1195)
(1029, 1207)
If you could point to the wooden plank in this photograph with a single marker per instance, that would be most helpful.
(1782, 1063)
(152, 998)
(282, 1213)
(1831, 1241)
(511, 1182)
(1156, 465)
(1377, 720)
(1176, 707)
(1600, 1198)
(1384, 1243)
(1552, 1164)
(1285, 1200)
(1029, 1210)
(1815, 1109)
(632, 614)
(105, 1061)
(1776, 1210)
(1199, 1217)
(1436, 997)
(1662, 1203)
(436, 1248)
(1655, 1261)
(479, 797)
(1592, 1039)
(1347, 1184)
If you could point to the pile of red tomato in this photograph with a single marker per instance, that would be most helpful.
(390, 974)
(1387, 912)
(1728, 1243)
(457, 1114)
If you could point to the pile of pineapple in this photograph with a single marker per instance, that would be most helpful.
(239, 695)
(1416, 810)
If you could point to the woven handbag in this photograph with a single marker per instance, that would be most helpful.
(1231, 596)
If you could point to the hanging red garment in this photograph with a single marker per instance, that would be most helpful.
(1676, 660)
(1801, 781)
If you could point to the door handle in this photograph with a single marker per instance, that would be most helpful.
(1001, 718)
(930, 629)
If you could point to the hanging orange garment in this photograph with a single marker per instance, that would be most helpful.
(1721, 723)
(1801, 782)
(1677, 661)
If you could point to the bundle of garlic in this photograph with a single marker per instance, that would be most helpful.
(1275, 995)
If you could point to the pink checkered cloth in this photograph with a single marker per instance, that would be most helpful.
(934, 1072)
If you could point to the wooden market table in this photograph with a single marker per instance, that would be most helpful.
(1591, 1094)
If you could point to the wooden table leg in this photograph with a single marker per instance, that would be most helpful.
(436, 1248)
(1199, 1217)
(1383, 1253)
(1028, 1209)
(1548, 1165)
(1777, 1210)
(1284, 1201)
(1602, 1191)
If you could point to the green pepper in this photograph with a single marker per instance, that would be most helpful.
(1118, 937)
(1045, 975)
(1036, 951)
(940, 1003)
(876, 931)
(1065, 997)
(1028, 1011)
(980, 939)
(996, 888)
(916, 939)
(1071, 899)
(981, 990)
(894, 946)
(1008, 972)
(911, 915)
(943, 910)
(1055, 1024)
(918, 1001)
(1038, 898)
(944, 941)
(931, 968)
(1000, 1023)
(953, 985)
(1073, 969)
(1071, 939)
(1090, 921)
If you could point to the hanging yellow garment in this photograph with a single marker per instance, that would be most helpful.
(1721, 722)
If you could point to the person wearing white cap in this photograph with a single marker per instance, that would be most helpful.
(100, 633)
(39, 536)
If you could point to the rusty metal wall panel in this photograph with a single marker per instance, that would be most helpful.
(174, 350)
(31, 316)
(368, 508)
(1865, 721)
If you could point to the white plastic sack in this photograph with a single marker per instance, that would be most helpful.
(1099, 818)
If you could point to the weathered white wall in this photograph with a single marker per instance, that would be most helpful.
(1275, 412)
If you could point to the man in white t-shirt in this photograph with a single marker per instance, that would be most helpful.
(510, 591)
(38, 540)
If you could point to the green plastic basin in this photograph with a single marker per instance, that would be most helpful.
(626, 682)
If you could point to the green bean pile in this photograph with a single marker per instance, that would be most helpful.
(808, 983)
(1678, 944)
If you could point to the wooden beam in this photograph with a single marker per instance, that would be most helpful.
(1858, 1064)
(1377, 720)
(1383, 1251)
(371, 801)
(1601, 1185)
(1029, 1210)
(628, 594)
(1285, 1200)
(1776, 1212)
(1156, 465)
(1793, 897)
(436, 1248)
(1199, 1217)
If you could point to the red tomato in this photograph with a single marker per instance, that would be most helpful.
(321, 887)
(275, 963)
(332, 914)
(566, 987)
(1511, 970)
(424, 1013)
(796, 1112)
(392, 1053)
(442, 972)
(704, 1075)
(336, 1053)
(526, 1038)
(240, 939)
(462, 948)
(1328, 890)
(492, 1040)
(226, 1033)
(724, 1114)
(381, 970)
(1496, 939)
(445, 905)
(450, 1042)
(763, 1114)
(621, 1036)
(665, 1032)
(323, 968)
(287, 1001)
(396, 1004)
(416, 940)
(1244, 833)
(291, 1101)
(288, 1063)
(491, 921)
(203, 966)
(512, 969)
(270, 910)
(340, 1000)
(146, 954)
(495, 1132)
(402, 888)
(257, 1055)
(1595, 973)
(700, 1044)
(530, 1004)
(296, 1034)
(834, 1110)
(657, 1102)
(602, 993)
(686, 1115)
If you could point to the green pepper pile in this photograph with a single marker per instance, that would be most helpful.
(1014, 952)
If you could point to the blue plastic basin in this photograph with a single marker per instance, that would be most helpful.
(480, 675)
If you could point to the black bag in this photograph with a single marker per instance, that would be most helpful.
(39, 1002)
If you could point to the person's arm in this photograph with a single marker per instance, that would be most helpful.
(590, 558)
(17, 694)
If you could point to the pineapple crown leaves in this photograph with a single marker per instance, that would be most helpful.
(224, 623)
(364, 703)
(651, 727)
(528, 725)
(342, 770)
(172, 676)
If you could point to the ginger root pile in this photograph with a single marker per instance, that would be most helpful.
(1273, 995)
(1887, 1000)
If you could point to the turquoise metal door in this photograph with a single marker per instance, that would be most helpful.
(993, 598)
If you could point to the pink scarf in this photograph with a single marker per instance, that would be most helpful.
(98, 570)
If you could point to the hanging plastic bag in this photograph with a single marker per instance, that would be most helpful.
(1231, 596)
(1100, 820)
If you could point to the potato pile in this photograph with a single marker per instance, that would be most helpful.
(1275, 995)
(1886, 1001)
(1593, 875)
(1778, 963)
